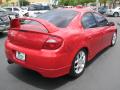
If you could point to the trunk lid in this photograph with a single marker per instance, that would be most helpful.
(27, 39)
(28, 35)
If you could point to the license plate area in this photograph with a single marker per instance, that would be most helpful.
(20, 56)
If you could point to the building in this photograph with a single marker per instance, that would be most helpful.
(43, 1)
(15, 2)
(0, 1)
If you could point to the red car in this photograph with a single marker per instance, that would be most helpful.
(59, 42)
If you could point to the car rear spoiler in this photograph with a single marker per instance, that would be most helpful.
(16, 23)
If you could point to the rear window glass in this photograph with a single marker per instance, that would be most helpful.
(32, 25)
(60, 18)
(38, 7)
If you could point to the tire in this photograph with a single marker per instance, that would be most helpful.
(114, 38)
(78, 64)
(1, 33)
(10, 62)
(116, 14)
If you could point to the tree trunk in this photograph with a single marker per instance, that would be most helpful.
(104, 3)
(100, 3)
(114, 3)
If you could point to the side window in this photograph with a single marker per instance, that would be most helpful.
(9, 9)
(46, 8)
(89, 21)
(100, 19)
(35, 7)
(39, 7)
(15, 9)
(31, 8)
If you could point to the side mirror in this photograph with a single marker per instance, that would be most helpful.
(111, 24)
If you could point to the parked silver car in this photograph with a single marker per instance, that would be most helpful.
(4, 22)
(38, 8)
(12, 15)
(18, 10)
(113, 12)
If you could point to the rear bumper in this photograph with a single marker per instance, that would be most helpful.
(49, 65)
(49, 73)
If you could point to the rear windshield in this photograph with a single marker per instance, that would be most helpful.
(38, 7)
(60, 18)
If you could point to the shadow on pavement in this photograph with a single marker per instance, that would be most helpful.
(2, 35)
(97, 56)
(34, 79)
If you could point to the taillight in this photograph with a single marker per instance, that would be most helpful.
(53, 43)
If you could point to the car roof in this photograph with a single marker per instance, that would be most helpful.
(11, 7)
(59, 17)
(81, 10)
(3, 14)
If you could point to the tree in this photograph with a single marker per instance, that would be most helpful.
(112, 3)
(103, 2)
(75, 2)
(85, 1)
(7, 1)
(24, 2)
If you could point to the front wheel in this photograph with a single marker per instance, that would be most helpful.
(1, 33)
(79, 62)
(114, 38)
(116, 14)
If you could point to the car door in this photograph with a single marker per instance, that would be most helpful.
(106, 30)
(92, 33)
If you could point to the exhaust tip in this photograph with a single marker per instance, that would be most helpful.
(10, 62)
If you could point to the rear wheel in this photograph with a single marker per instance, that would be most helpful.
(78, 65)
(1, 32)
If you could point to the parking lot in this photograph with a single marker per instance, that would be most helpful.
(101, 74)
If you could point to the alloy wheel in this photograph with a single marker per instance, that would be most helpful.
(114, 38)
(80, 62)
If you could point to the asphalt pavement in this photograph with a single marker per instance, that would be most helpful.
(103, 73)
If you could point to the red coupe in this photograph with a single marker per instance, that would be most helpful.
(59, 42)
